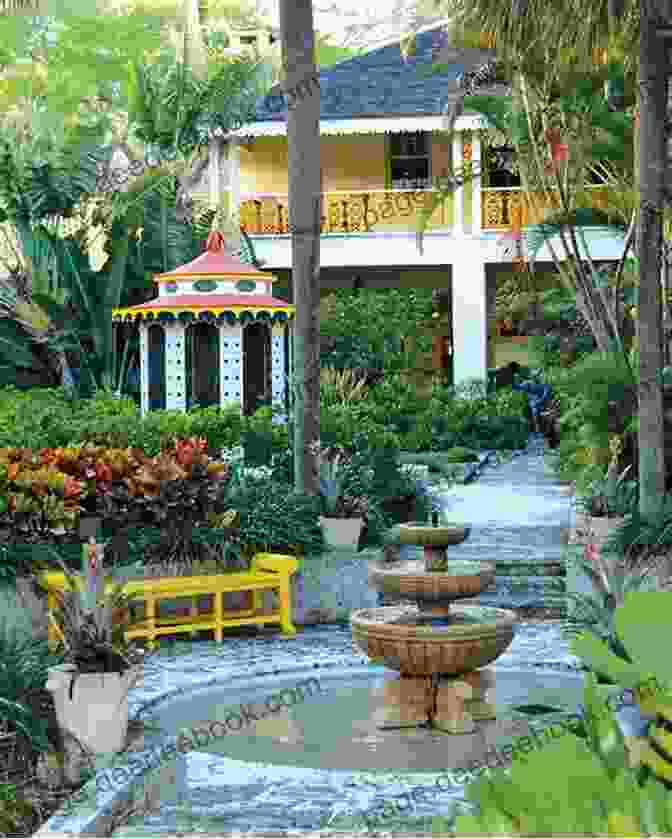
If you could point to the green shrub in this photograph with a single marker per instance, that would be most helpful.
(273, 516)
(597, 400)
(24, 666)
(459, 454)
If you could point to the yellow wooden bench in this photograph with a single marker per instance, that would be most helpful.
(267, 572)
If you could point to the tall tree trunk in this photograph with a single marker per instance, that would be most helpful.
(653, 69)
(303, 141)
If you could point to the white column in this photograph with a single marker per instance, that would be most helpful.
(230, 364)
(470, 333)
(144, 369)
(476, 183)
(176, 380)
(278, 364)
(458, 195)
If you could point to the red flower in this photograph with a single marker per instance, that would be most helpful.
(559, 151)
(592, 553)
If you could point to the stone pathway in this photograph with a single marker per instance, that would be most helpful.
(516, 511)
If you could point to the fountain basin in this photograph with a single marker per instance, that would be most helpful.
(403, 639)
(410, 581)
(416, 533)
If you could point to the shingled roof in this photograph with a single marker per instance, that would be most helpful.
(378, 84)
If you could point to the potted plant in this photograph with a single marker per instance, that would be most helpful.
(90, 689)
(344, 519)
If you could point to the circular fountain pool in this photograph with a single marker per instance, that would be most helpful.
(333, 723)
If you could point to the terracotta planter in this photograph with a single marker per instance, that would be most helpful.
(342, 533)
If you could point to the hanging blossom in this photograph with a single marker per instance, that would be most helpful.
(559, 150)
(592, 555)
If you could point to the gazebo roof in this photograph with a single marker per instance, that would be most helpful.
(214, 264)
(218, 304)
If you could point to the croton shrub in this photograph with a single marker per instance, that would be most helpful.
(61, 484)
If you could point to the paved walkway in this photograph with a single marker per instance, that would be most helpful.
(517, 512)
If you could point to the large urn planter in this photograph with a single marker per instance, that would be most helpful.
(342, 533)
(93, 707)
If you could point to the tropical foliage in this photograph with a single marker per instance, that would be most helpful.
(63, 310)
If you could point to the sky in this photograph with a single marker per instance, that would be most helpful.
(356, 24)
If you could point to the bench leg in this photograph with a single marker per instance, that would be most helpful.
(150, 617)
(218, 606)
(193, 612)
(257, 601)
(286, 624)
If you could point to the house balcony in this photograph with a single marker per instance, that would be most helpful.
(378, 211)
(506, 209)
(345, 212)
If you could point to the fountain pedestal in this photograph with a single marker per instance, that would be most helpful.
(409, 702)
(464, 700)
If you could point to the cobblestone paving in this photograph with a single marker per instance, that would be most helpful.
(517, 512)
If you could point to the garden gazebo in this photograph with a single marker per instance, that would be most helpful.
(214, 334)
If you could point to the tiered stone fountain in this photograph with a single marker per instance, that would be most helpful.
(437, 648)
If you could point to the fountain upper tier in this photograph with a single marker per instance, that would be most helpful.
(432, 592)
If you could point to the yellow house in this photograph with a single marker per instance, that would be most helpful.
(384, 152)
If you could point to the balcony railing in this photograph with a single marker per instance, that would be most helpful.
(353, 212)
(350, 211)
(505, 209)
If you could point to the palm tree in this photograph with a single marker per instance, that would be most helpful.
(303, 141)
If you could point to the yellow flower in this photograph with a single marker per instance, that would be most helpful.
(584, 456)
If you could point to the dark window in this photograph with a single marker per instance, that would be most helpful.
(409, 161)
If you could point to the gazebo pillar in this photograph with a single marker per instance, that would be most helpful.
(144, 369)
(278, 364)
(176, 380)
(230, 364)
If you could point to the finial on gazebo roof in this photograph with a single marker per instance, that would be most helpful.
(215, 241)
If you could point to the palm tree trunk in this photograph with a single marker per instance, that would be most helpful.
(653, 70)
(303, 141)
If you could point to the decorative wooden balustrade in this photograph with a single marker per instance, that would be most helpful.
(506, 209)
(349, 212)
(397, 210)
